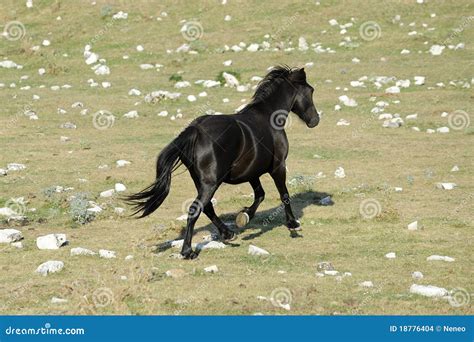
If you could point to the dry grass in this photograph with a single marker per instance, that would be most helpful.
(375, 160)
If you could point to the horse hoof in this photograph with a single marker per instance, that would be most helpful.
(242, 219)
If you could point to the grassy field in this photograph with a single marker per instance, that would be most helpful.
(375, 159)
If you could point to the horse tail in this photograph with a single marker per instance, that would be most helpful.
(179, 151)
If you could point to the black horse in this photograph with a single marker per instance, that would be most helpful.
(235, 149)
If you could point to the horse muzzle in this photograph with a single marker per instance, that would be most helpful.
(313, 122)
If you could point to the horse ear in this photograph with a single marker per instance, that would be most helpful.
(299, 74)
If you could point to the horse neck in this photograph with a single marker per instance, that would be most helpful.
(280, 100)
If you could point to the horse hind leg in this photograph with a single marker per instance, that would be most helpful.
(205, 194)
(244, 216)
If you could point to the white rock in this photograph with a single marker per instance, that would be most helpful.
(302, 44)
(339, 173)
(253, 47)
(10, 235)
(46, 42)
(119, 187)
(347, 101)
(147, 66)
(131, 114)
(442, 130)
(211, 269)
(398, 189)
(393, 90)
(119, 211)
(419, 80)
(230, 79)
(51, 241)
(227, 63)
(391, 255)
(15, 167)
(122, 163)
(446, 186)
(140, 48)
(440, 258)
(51, 266)
(81, 251)
(331, 272)
(367, 283)
(417, 275)
(106, 254)
(93, 58)
(120, 15)
(411, 117)
(343, 122)
(191, 98)
(413, 226)
(134, 92)
(129, 257)
(210, 245)
(437, 50)
(107, 193)
(254, 250)
(333, 22)
(17, 244)
(102, 70)
(428, 291)
(56, 300)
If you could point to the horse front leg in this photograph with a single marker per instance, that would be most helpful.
(279, 177)
(244, 216)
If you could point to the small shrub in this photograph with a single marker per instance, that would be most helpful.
(78, 209)
(176, 78)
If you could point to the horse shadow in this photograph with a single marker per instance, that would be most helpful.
(265, 220)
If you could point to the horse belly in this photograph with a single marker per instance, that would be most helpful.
(250, 166)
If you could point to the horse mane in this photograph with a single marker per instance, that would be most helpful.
(270, 82)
